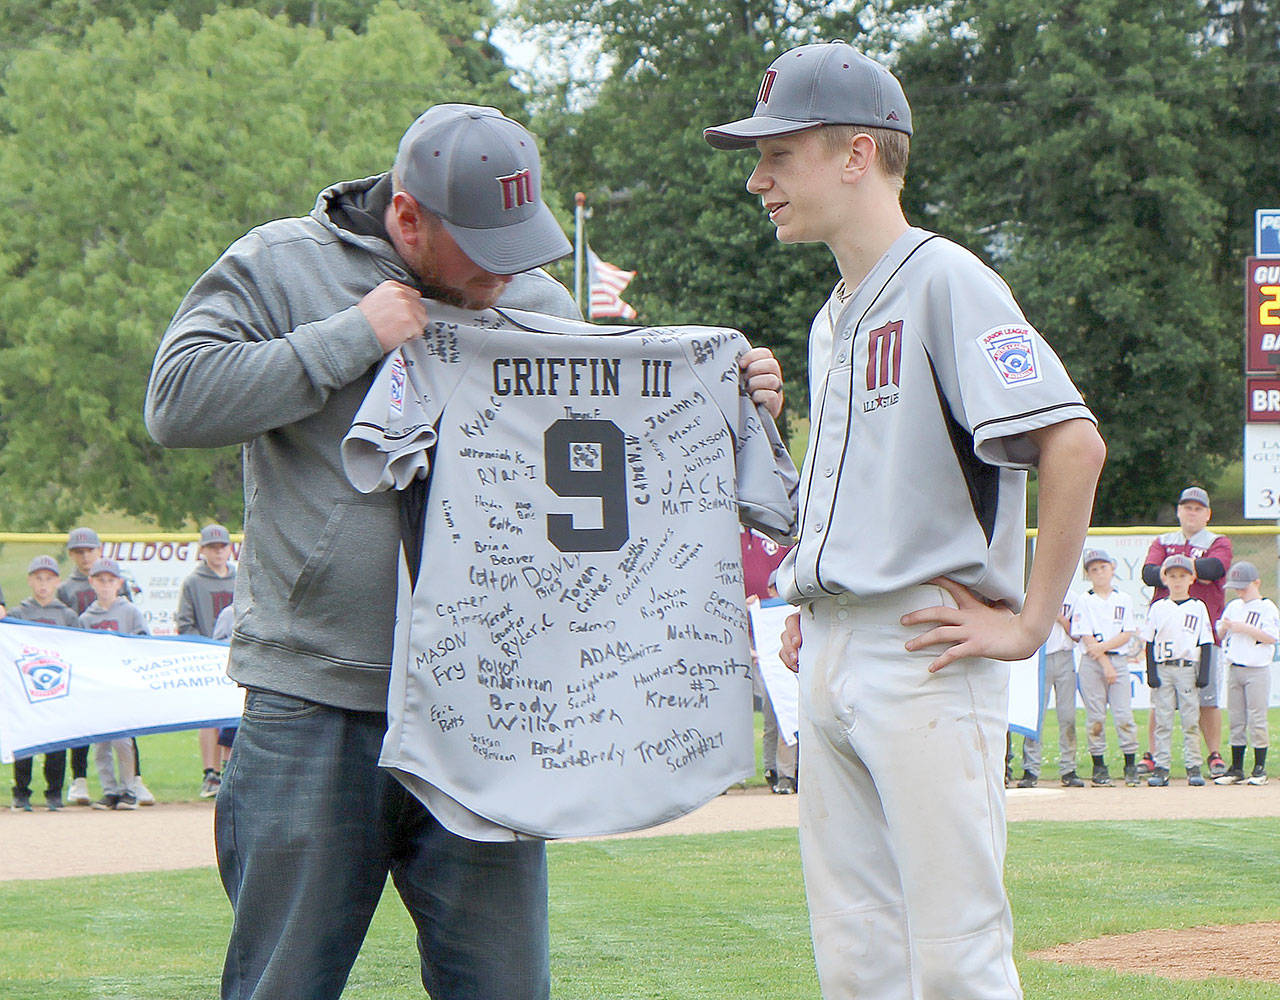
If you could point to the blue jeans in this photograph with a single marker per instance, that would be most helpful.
(307, 829)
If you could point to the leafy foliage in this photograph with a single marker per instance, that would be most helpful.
(128, 162)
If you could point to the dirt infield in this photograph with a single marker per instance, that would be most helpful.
(181, 835)
(1240, 951)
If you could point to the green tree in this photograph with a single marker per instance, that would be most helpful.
(663, 202)
(1077, 147)
(128, 162)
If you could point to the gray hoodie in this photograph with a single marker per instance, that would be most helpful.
(204, 595)
(269, 350)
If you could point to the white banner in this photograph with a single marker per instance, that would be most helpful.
(156, 571)
(63, 687)
(768, 618)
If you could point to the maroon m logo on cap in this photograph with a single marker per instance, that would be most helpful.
(766, 85)
(517, 189)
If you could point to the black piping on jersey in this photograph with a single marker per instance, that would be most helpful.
(982, 480)
(848, 429)
(1020, 416)
(386, 433)
(605, 331)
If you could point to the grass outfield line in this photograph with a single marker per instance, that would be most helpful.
(717, 916)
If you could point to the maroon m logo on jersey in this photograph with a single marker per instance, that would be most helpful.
(766, 85)
(517, 189)
(884, 355)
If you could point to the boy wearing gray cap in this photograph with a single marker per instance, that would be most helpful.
(208, 590)
(110, 612)
(931, 395)
(1104, 624)
(1179, 643)
(42, 607)
(1249, 629)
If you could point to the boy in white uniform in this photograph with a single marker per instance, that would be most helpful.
(1060, 678)
(930, 395)
(1179, 643)
(1248, 629)
(1104, 624)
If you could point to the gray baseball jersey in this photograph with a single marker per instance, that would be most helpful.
(121, 617)
(53, 613)
(204, 595)
(1245, 650)
(1103, 617)
(577, 661)
(925, 382)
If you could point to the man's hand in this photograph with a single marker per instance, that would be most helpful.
(790, 653)
(764, 379)
(974, 628)
(396, 312)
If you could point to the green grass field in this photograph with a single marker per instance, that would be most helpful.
(719, 916)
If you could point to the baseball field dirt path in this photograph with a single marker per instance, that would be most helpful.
(181, 835)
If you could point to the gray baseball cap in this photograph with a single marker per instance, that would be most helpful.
(828, 83)
(1178, 562)
(1097, 555)
(1241, 574)
(479, 172)
(43, 562)
(83, 538)
(212, 534)
(105, 566)
(1194, 494)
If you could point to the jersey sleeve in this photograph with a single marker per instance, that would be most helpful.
(1000, 377)
(766, 482)
(1206, 627)
(1147, 630)
(1127, 618)
(390, 440)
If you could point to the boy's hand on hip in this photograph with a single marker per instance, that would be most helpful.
(973, 628)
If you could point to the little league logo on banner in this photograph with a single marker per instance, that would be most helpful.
(45, 674)
(62, 687)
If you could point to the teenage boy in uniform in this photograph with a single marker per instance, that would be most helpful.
(112, 613)
(44, 608)
(205, 593)
(930, 395)
(1249, 629)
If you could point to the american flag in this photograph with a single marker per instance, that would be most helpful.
(607, 282)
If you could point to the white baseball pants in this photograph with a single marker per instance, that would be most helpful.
(902, 824)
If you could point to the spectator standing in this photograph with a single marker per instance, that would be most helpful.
(206, 593)
(42, 607)
(1060, 678)
(1211, 554)
(1104, 623)
(1179, 641)
(110, 612)
(1249, 629)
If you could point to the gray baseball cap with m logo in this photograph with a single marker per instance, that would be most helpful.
(828, 83)
(479, 173)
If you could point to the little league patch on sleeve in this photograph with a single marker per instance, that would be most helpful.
(1012, 353)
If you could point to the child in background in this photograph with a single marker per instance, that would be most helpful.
(1060, 678)
(205, 593)
(112, 613)
(1179, 645)
(1248, 629)
(76, 592)
(44, 608)
(1104, 623)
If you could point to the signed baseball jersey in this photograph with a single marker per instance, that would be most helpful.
(925, 381)
(576, 658)
(1177, 629)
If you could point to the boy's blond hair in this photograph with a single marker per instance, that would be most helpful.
(893, 147)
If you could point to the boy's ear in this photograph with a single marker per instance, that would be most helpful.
(861, 157)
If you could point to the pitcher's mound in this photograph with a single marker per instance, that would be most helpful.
(1238, 951)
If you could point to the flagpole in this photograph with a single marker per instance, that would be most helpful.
(579, 244)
